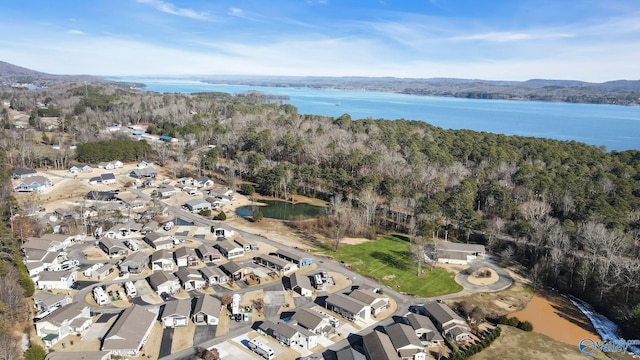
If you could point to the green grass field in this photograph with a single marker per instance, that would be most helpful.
(388, 261)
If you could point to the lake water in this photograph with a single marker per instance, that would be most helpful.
(282, 210)
(615, 127)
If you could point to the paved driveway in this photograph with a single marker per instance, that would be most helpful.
(504, 279)
(204, 333)
(167, 340)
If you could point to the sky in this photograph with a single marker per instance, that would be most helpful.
(494, 40)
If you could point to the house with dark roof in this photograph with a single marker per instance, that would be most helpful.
(166, 191)
(290, 334)
(197, 205)
(206, 310)
(349, 353)
(135, 263)
(176, 313)
(348, 307)
(104, 179)
(22, 173)
(233, 270)
(377, 302)
(378, 346)
(46, 302)
(190, 279)
(130, 331)
(275, 263)
(101, 195)
(246, 244)
(425, 330)
(447, 321)
(213, 275)
(112, 247)
(143, 174)
(301, 284)
(164, 282)
(299, 260)
(70, 319)
(202, 182)
(405, 341)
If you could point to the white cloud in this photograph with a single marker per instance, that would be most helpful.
(75, 32)
(169, 8)
(505, 36)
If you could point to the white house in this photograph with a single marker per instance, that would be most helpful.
(185, 256)
(377, 302)
(110, 165)
(301, 284)
(458, 253)
(164, 282)
(46, 302)
(191, 279)
(176, 313)
(80, 168)
(348, 307)
(405, 341)
(206, 310)
(71, 319)
(213, 275)
(56, 280)
(202, 182)
(229, 249)
(197, 205)
(162, 260)
(130, 331)
(144, 164)
(34, 183)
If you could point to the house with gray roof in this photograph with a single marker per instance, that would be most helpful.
(130, 331)
(301, 284)
(377, 302)
(78, 355)
(208, 253)
(299, 260)
(197, 205)
(185, 256)
(349, 353)
(112, 247)
(162, 260)
(176, 313)
(206, 310)
(405, 342)
(146, 173)
(275, 263)
(448, 322)
(213, 275)
(22, 173)
(158, 240)
(348, 307)
(135, 263)
(233, 270)
(458, 253)
(378, 346)
(229, 249)
(46, 302)
(70, 319)
(310, 320)
(190, 279)
(425, 330)
(56, 280)
(164, 282)
(35, 183)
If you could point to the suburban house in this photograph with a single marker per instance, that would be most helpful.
(293, 335)
(46, 302)
(301, 284)
(447, 321)
(348, 307)
(233, 270)
(56, 280)
(202, 182)
(135, 263)
(378, 346)
(80, 168)
(246, 244)
(222, 232)
(176, 313)
(130, 228)
(222, 193)
(349, 353)
(102, 272)
(70, 319)
(40, 260)
(150, 226)
(164, 282)
(377, 302)
(162, 260)
(50, 242)
(229, 249)
(208, 253)
(185, 256)
(405, 341)
(143, 174)
(22, 173)
(275, 263)
(101, 195)
(34, 268)
(130, 331)
(144, 164)
(298, 260)
(191, 279)
(110, 165)
(213, 275)
(112, 247)
(104, 179)
(112, 233)
(197, 205)
(311, 320)
(33, 183)
(425, 330)
(207, 310)
(457, 253)
(166, 191)
(158, 241)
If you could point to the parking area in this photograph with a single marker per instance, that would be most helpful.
(204, 333)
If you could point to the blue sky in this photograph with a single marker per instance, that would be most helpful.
(496, 39)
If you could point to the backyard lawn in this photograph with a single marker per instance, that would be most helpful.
(388, 261)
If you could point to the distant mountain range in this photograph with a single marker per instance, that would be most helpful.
(619, 92)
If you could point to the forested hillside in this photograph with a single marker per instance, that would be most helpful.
(568, 211)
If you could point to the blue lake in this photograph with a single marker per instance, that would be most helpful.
(615, 127)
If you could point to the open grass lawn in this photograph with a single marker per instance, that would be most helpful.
(388, 261)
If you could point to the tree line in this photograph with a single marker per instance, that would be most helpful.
(568, 211)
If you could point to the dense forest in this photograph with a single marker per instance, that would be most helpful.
(567, 211)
